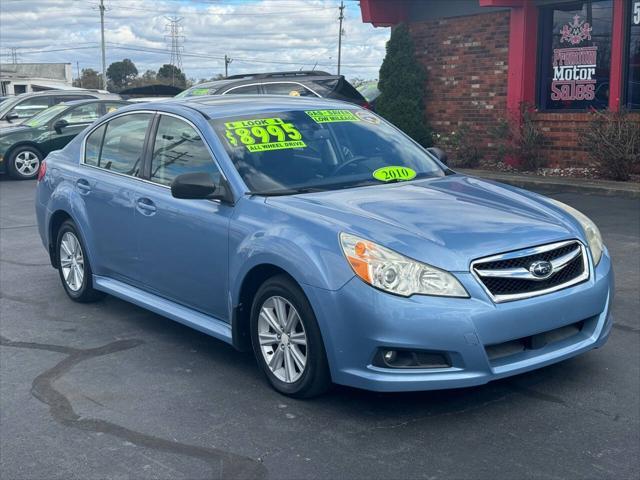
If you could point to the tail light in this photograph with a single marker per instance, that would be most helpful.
(42, 170)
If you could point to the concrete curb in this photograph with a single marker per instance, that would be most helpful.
(559, 184)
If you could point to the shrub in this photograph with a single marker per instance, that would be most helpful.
(464, 148)
(401, 85)
(612, 141)
(519, 138)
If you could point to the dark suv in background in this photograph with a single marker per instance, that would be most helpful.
(311, 83)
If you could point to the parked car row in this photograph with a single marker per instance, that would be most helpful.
(14, 110)
(25, 145)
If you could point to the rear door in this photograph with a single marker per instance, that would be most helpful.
(183, 243)
(109, 184)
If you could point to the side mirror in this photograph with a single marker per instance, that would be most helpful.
(60, 124)
(438, 153)
(199, 185)
(12, 115)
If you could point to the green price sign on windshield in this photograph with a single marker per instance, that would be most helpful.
(330, 116)
(263, 134)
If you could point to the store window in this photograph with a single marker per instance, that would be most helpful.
(633, 68)
(575, 60)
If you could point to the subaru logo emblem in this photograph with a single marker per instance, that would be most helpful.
(541, 269)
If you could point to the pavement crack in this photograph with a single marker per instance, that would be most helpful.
(626, 328)
(223, 464)
(545, 397)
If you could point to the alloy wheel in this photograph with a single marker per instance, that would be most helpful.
(27, 163)
(71, 261)
(283, 340)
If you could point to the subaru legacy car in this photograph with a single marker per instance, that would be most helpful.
(324, 239)
(23, 147)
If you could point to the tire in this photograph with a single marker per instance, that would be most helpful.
(73, 265)
(313, 378)
(24, 163)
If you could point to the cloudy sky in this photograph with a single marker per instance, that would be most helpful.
(260, 35)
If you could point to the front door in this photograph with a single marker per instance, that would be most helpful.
(65, 127)
(183, 244)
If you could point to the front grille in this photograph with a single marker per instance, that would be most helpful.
(511, 276)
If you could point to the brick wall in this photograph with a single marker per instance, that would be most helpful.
(466, 63)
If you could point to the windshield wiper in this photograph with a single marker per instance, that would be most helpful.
(288, 191)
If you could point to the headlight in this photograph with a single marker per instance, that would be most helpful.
(594, 239)
(395, 273)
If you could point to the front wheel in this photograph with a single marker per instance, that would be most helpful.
(286, 339)
(24, 163)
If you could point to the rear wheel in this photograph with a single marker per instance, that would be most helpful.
(286, 339)
(73, 265)
(24, 163)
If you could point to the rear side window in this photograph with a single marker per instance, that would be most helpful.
(69, 98)
(178, 149)
(291, 89)
(122, 144)
(246, 90)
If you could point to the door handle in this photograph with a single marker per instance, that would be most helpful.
(146, 206)
(83, 186)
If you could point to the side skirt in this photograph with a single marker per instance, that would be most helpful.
(191, 318)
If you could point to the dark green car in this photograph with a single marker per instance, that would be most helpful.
(23, 147)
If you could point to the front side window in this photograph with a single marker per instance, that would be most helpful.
(29, 107)
(82, 114)
(320, 149)
(178, 149)
(575, 57)
(45, 116)
(291, 89)
(633, 69)
(122, 144)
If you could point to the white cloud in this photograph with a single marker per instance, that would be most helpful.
(260, 35)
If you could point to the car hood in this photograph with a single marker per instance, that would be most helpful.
(446, 222)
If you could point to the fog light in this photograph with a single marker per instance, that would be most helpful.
(387, 358)
(390, 356)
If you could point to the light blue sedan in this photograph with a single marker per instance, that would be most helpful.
(323, 238)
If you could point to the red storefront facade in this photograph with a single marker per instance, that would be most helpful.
(484, 58)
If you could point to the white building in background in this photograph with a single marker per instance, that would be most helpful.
(17, 78)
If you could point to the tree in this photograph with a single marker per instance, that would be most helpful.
(171, 75)
(122, 73)
(89, 78)
(401, 84)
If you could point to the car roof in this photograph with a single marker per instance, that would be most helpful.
(252, 78)
(221, 106)
(94, 100)
(62, 92)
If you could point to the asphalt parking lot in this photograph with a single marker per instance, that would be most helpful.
(108, 390)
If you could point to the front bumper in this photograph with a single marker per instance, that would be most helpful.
(358, 320)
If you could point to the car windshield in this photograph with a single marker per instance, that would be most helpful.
(279, 153)
(43, 117)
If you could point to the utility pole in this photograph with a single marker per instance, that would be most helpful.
(175, 37)
(14, 55)
(341, 17)
(227, 61)
(79, 77)
(104, 62)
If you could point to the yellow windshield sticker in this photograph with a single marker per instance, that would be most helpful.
(389, 174)
(330, 116)
(263, 134)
